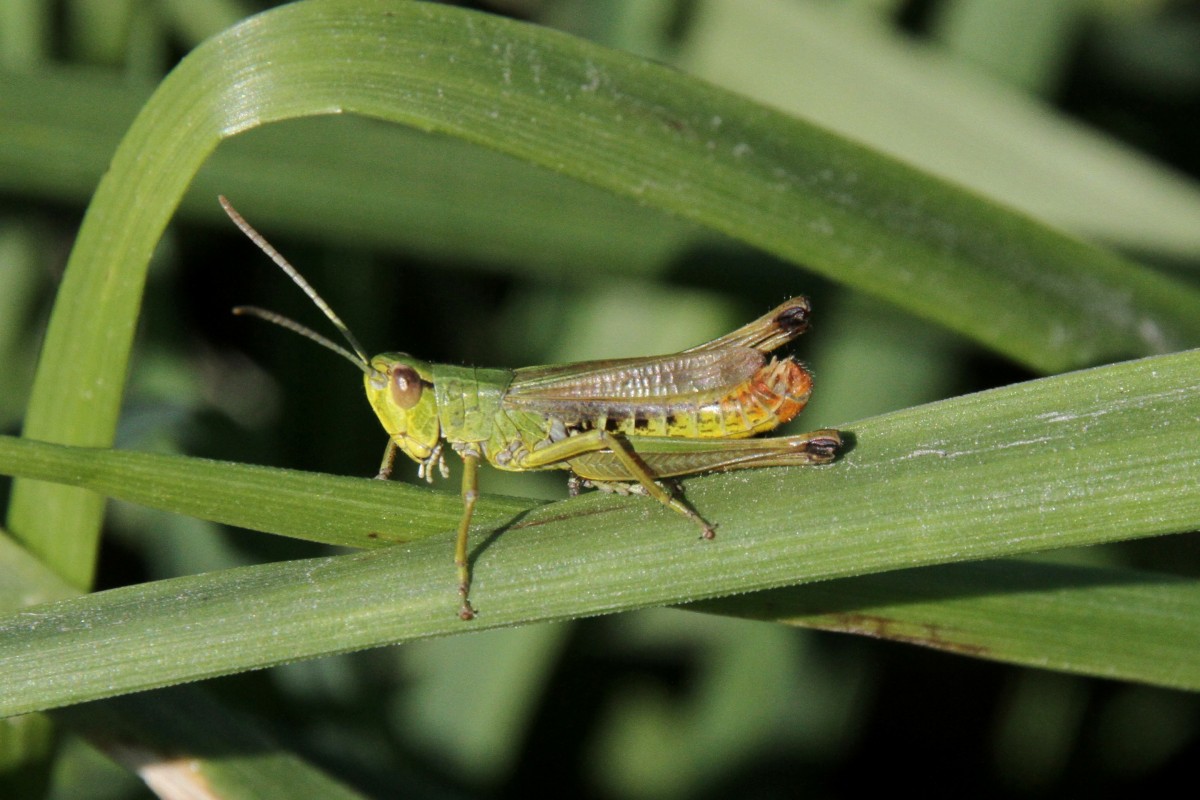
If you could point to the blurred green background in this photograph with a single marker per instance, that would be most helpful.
(1083, 113)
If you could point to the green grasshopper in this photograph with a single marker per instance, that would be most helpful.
(618, 425)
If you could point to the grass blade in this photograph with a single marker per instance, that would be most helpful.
(1094, 456)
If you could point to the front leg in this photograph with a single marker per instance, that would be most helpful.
(388, 462)
(470, 494)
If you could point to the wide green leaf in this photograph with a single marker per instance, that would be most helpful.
(1095, 456)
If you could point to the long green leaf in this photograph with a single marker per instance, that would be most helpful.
(939, 112)
(605, 118)
(1095, 456)
(1106, 622)
(349, 512)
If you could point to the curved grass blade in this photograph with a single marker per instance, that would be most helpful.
(605, 118)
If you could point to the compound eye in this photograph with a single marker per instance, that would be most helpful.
(405, 386)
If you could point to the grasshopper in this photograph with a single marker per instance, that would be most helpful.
(618, 425)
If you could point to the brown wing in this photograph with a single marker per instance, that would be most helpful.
(633, 383)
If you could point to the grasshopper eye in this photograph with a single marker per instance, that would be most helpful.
(405, 386)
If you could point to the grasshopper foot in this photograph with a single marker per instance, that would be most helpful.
(466, 612)
(824, 446)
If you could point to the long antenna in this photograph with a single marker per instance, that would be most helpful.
(358, 357)
(306, 332)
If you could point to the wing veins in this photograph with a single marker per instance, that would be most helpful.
(632, 380)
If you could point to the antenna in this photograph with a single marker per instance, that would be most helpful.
(358, 357)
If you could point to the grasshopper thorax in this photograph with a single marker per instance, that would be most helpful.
(400, 389)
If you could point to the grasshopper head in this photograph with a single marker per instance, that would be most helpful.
(400, 389)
